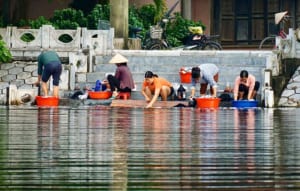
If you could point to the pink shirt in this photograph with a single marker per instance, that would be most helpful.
(250, 83)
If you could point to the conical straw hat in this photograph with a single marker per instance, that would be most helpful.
(118, 58)
(279, 16)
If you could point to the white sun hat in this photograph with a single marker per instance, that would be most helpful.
(118, 58)
(280, 16)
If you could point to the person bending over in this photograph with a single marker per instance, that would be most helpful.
(245, 86)
(49, 64)
(205, 74)
(154, 86)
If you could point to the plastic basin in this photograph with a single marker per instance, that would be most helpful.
(244, 103)
(47, 101)
(208, 102)
(100, 95)
(185, 77)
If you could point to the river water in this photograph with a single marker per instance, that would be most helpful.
(104, 148)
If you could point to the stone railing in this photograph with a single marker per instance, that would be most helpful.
(77, 55)
(47, 37)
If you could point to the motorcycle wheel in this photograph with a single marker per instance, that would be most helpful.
(212, 46)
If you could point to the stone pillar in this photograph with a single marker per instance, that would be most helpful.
(186, 9)
(119, 18)
(45, 36)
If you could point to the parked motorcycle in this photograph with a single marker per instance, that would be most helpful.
(156, 37)
(197, 40)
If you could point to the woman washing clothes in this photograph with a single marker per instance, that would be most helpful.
(122, 81)
(154, 86)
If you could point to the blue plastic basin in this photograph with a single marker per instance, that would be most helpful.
(244, 103)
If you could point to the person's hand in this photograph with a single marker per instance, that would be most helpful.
(37, 83)
(147, 99)
(148, 106)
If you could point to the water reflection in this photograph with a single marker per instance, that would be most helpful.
(103, 148)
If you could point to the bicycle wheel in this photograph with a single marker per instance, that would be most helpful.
(157, 45)
(267, 43)
(210, 45)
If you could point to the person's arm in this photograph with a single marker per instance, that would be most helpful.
(236, 88)
(118, 73)
(251, 87)
(214, 93)
(40, 71)
(145, 95)
(37, 83)
(192, 92)
(154, 98)
(193, 88)
(144, 92)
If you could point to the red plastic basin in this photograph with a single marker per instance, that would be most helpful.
(208, 102)
(100, 95)
(47, 101)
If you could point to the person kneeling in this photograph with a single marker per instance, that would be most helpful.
(245, 87)
(154, 86)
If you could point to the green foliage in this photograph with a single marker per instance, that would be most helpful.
(40, 21)
(161, 8)
(5, 55)
(177, 30)
(100, 12)
(27, 37)
(146, 14)
(34, 24)
(142, 17)
(23, 23)
(134, 21)
(68, 19)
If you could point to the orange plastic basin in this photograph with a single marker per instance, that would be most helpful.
(47, 101)
(100, 95)
(208, 102)
(185, 77)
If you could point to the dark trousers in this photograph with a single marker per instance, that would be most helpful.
(245, 89)
(115, 84)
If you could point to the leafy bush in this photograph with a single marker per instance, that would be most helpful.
(143, 17)
(177, 29)
(146, 14)
(40, 21)
(100, 12)
(5, 55)
(34, 24)
(160, 9)
(68, 19)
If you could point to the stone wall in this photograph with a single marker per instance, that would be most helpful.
(290, 96)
